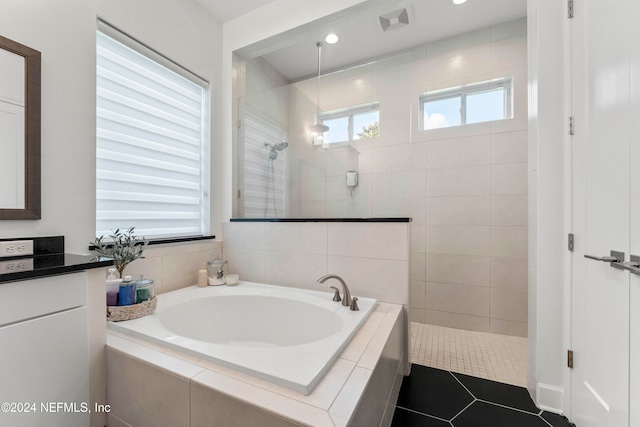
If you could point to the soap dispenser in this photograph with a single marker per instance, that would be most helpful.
(113, 285)
(202, 276)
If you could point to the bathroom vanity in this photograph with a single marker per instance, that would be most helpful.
(44, 336)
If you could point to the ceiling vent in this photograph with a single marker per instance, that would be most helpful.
(396, 19)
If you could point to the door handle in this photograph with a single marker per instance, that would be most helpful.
(615, 260)
(632, 266)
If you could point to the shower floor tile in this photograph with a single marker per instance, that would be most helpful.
(494, 357)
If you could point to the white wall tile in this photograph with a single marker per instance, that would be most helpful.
(508, 327)
(460, 181)
(418, 210)
(294, 269)
(392, 185)
(391, 159)
(418, 183)
(459, 63)
(461, 269)
(510, 209)
(458, 240)
(240, 235)
(509, 53)
(509, 29)
(509, 178)
(469, 210)
(418, 238)
(509, 147)
(418, 266)
(303, 237)
(417, 315)
(509, 305)
(455, 320)
(509, 241)
(459, 152)
(418, 155)
(417, 294)
(391, 208)
(249, 264)
(369, 240)
(385, 280)
(461, 299)
(510, 273)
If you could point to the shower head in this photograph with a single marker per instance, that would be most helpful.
(281, 146)
(273, 153)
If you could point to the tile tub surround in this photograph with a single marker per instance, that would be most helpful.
(372, 257)
(174, 265)
(149, 385)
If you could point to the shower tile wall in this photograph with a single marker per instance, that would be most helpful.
(465, 187)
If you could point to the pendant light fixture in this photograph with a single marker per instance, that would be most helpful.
(318, 128)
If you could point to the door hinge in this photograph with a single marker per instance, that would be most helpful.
(570, 359)
(239, 124)
(570, 240)
(239, 194)
(569, 9)
(571, 125)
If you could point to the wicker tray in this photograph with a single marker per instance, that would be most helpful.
(129, 312)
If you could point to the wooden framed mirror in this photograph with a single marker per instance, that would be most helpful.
(19, 131)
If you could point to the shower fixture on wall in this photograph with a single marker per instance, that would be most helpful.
(318, 128)
(273, 153)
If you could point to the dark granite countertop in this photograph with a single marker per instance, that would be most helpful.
(49, 265)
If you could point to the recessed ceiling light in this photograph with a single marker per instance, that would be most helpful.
(331, 38)
(459, 1)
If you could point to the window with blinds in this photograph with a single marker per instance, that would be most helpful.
(151, 142)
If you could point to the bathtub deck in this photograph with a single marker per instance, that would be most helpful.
(214, 390)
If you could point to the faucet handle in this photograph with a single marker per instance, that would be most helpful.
(354, 304)
(336, 295)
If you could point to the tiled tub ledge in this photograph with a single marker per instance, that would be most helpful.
(150, 385)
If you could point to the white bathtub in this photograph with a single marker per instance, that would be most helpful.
(290, 337)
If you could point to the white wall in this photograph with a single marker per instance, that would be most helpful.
(549, 198)
(64, 32)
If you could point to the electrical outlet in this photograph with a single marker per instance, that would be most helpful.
(15, 266)
(16, 248)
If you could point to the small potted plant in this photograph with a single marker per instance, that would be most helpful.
(124, 247)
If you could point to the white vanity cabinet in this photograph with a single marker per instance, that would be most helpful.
(44, 353)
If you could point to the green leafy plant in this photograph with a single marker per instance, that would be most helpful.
(370, 131)
(123, 247)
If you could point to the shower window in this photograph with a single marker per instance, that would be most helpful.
(352, 123)
(475, 103)
(152, 144)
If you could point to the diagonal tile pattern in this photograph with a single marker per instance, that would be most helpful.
(432, 397)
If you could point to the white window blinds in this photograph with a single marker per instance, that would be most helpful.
(150, 157)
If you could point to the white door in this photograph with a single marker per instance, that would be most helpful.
(601, 212)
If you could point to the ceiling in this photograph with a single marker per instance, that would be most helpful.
(362, 39)
(226, 10)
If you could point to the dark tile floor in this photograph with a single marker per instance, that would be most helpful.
(432, 397)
